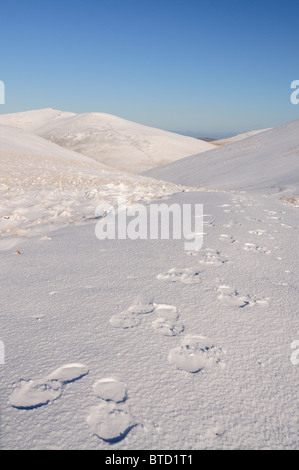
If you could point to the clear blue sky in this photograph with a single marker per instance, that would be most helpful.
(212, 67)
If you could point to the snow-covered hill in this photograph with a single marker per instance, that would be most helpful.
(108, 139)
(133, 344)
(236, 138)
(31, 121)
(44, 186)
(268, 161)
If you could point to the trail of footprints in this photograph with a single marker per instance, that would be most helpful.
(195, 352)
(111, 420)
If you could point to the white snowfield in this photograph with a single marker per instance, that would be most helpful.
(32, 121)
(268, 161)
(44, 186)
(139, 344)
(108, 139)
(236, 138)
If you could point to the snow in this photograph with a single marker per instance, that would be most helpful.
(196, 353)
(110, 390)
(238, 137)
(44, 186)
(111, 140)
(267, 161)
(140, 344)
(31, 121)
(109, 422)
(34, 393)
(17, 141)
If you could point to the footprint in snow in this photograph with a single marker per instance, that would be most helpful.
(30, 394)
(259, 249)
(195, 354)
(110, 389)
(233, 298)
(166, 322)
(110, 420)
(132, 316)
(186, 276)
(209, 257)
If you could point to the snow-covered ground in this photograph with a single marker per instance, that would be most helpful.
(44, 186)
(140, 344)
(116, 142)
(238, 137)
(267, 162)
(32, 121)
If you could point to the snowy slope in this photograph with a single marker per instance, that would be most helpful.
(76, 378)
(17, 141)
(108, 139)
(236, 138)
(44, 186)
(268, 161)
(32, 120)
